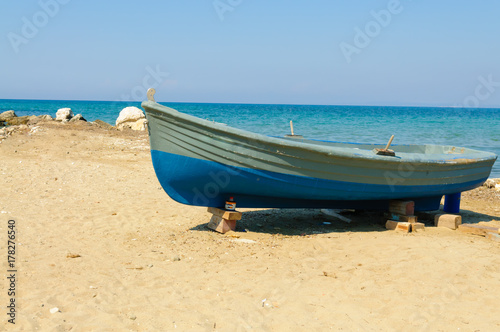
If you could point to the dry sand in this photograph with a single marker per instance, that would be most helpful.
(102, 242)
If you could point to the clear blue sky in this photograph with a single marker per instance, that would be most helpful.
(253, 51)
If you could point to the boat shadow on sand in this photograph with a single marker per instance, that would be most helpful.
(300, 222)
(471, 217)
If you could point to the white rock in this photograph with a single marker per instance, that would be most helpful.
(54, 310)
(64, 114)
(139, 124)
(497, 187)
(129, 114)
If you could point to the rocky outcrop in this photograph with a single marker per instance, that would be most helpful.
(103, 124)
(10, 118)
(18, 120)
(41, 118)
(64, 114)
(7, 115)
(131, 117)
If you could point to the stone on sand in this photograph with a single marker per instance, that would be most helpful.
(490, 183)
(131, 117)
(64, 114)
(77, 117)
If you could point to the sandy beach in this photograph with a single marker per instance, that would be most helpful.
(98, 239)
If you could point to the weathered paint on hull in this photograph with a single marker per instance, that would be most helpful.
(194, 158)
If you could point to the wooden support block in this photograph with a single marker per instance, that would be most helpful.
(404, 227)
(400, 217)
(451, 221)
(221, 225)
(406, 208)
(391, 225)
(228, 215)
(417, 227)
(398, 226)
(477, 229)
(493, 237)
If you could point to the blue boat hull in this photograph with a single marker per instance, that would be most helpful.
(206, 183)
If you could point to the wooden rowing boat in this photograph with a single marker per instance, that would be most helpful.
(203, 163)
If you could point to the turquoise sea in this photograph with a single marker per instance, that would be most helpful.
(473, 128)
